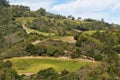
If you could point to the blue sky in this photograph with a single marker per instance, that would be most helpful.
(97, 9)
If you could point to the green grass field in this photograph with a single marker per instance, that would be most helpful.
(33, 65)
(40, 33)
(91, 32)
(24, 20)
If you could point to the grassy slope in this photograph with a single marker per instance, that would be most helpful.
(24, 20)
(40, 33)
(91, 32)
(33, 65)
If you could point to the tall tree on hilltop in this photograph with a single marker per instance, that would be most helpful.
(4, 3)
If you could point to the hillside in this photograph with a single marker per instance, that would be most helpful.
(62, 48)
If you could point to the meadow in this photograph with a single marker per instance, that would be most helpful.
(33, 65)
(92, 32)
(24, 20)
(39, 32)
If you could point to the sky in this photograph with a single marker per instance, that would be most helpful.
(96, 9)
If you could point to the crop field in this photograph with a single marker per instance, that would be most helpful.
(35, 64)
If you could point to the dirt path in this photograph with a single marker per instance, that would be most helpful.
(36, 42)
(69, 39)
(27, 74)
(53, 58)
(26, 29)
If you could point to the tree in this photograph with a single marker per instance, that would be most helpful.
(45, 74)
(8, 64)
(98, 57)
(40, 50)
(102, 20)
(64, 72)
(31, 49)
(71, 17)
(41, 12)
(117, 49)
(89, 20)
(4, 3)
(79, 18)
(19, 10)
(6, 72)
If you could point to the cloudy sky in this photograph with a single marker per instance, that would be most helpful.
(97, 9)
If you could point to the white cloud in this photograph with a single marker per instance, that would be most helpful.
(34, 4)
(116, 6)
(88, 8)
(97, 9)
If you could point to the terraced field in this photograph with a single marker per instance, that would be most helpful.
(34, 64)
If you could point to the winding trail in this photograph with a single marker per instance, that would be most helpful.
(26, 29)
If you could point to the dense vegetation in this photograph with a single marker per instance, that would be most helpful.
(39, 33)
(93, 45)
(6, 72)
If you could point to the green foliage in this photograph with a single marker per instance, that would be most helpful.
(55, 51)
(64, 72)
(19, 11)
(92, 45)
(77, 54)
(109, 69)
(47, 48)
(98, 57)
(8, 64)
(45, 74)
(51, 74)
(31, 49)
(3, 42)
(41, 12)
(4, 3)
(40, 50)
(117, 49)
(6, 72)
(70, 76)
(71, 17)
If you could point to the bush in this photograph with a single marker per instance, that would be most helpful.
(44, 74)
(98, 57)
(40, 50)
(55, 51)
(31, 49)
(8, 64)
(64, 72)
